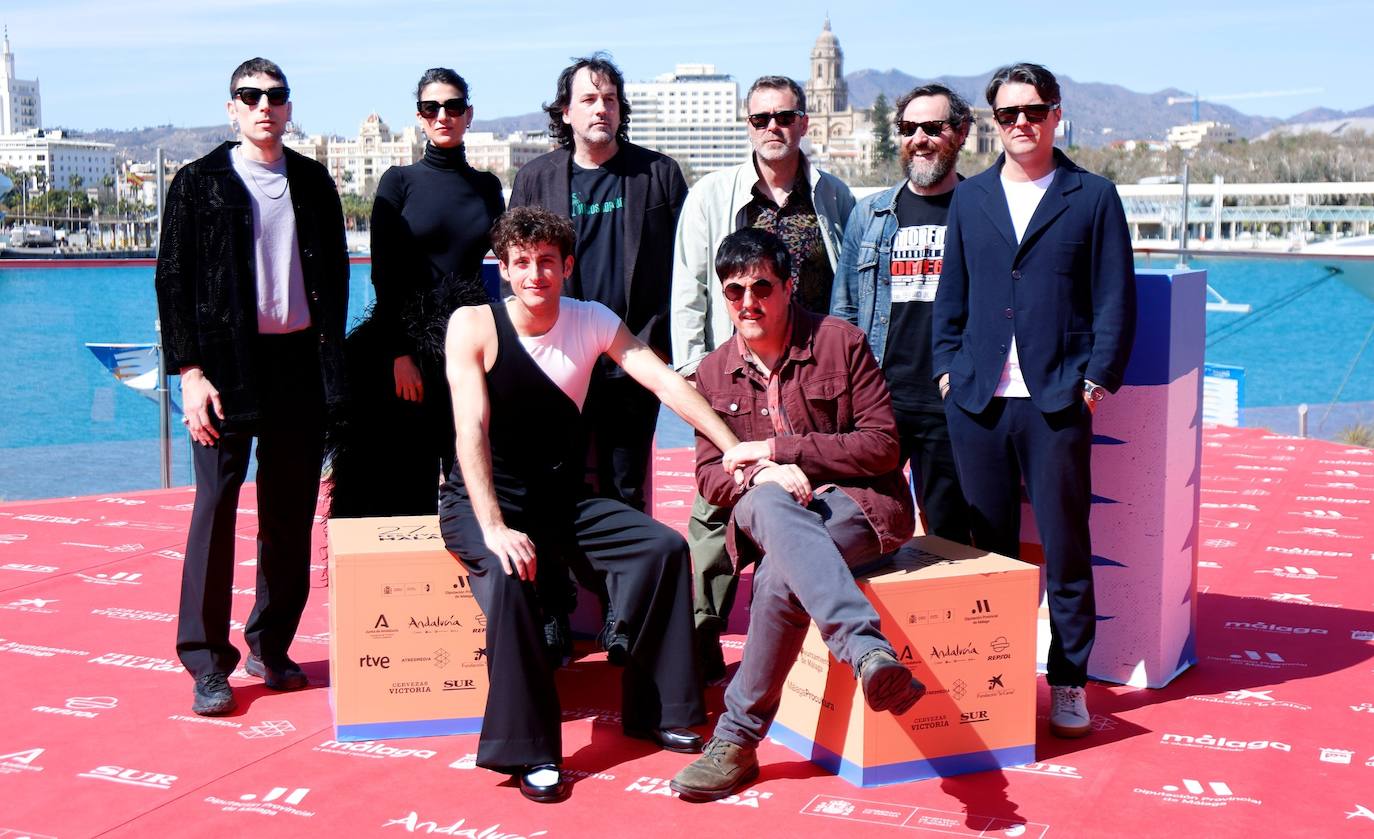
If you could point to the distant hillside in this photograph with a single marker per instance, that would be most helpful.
(537, 121)
(1100, 112)
(176, 143)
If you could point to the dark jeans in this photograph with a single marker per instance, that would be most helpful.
(290, 434)
(1011, 441)
(934, 477)
(807, 572)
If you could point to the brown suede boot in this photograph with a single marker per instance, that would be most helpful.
(721, 770)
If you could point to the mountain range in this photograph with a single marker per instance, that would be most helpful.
(1100, 112)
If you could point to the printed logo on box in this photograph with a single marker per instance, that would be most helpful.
(949, 653)
(995, 688)
(981, 612)
(130, 777)
(430, 624)
(381, 628)
(409, 687)
(460, 684)
(1001, 649)
(929, 721)
(929, 617)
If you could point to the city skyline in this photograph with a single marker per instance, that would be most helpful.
(138, 64)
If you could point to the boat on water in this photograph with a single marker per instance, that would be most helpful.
(1353, 260)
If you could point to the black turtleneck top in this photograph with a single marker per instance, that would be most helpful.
(430, 219)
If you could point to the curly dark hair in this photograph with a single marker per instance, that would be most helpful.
(600, 66)
(522, 227)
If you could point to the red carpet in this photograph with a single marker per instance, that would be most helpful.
(1271, 734)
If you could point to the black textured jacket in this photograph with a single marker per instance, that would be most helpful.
(206, 288)
(654, 192)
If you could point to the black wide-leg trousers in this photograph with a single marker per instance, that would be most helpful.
(645, 566)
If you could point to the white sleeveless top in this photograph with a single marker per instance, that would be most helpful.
(567, 353)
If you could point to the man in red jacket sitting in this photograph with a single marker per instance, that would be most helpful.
(815, 489)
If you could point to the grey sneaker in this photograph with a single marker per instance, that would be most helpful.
(888, 685)
(721, 770)
(213, 696)
(1069, 712)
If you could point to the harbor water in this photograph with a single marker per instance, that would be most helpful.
(68, 428)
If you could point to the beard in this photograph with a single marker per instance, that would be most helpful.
(923, 174)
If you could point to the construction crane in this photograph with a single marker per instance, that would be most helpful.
(1197, 100)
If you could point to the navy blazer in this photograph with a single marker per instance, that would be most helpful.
(1068, 290)
(654, 192)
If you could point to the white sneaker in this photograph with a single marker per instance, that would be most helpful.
(1069, 712)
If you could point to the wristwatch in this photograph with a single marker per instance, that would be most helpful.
(1095, 392)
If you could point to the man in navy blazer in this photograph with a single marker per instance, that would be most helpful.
(1034, 321)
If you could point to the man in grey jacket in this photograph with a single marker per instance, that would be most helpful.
(778, 190)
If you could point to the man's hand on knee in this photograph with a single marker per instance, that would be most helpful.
(790, 477)
(513, 548)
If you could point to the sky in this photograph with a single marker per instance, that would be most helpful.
(134, 63)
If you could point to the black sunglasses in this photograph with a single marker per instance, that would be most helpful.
(761, 289)
(932, 128)
(783, 118)
(1006, 117)
(429, 109)
(251, 96)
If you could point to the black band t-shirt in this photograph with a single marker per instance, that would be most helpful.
(597, 207)
(918, 253)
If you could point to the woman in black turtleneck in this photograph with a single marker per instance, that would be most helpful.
(430, 230)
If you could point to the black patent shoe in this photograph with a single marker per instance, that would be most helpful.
(681, 740)
(543, 793)
(289, 677)
(613, 641)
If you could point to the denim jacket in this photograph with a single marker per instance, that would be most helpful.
(862, 293)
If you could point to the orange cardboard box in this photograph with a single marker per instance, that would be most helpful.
(963, 621)
(407, 643)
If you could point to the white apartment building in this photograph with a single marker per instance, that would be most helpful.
(1194, 134)
(51, 159)
(21, 108)
(356, 165)
(498, 155)
(691, 114)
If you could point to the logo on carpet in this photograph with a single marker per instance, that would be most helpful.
(1053, 769)
(268, 728)
(371, 749)
(414, 824)
(37, 605)
(118, 578)
(1198, 793)
(1294, 572)
(36, 650)
(1222, 744)
(646, 785)
(1277, 629)
(1360, 812)
(1336, 756)
(28, 568)
(1323, 532)
(21, 761)
(277, 801)
(1252, 699)
(85, 707)
(12, 538)
(1362, 634)
(1302, 599)
(131, 777)
(50, 519)
(135, 615)
(1256, 658)
(1363, 708)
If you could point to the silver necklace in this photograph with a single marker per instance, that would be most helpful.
(251, 166)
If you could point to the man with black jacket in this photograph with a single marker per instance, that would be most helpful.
(624, 202)
(252, 287)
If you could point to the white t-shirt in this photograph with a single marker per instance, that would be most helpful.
(282, 306)
(567, 353)
(1022, 199)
